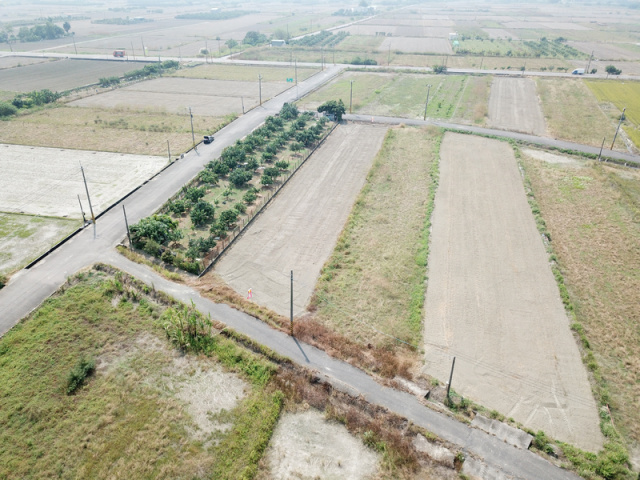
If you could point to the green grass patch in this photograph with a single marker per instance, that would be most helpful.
(621, 94)
(117, 322)
(376, 273)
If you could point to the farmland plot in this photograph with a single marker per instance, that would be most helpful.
(298, 231)
(61, 75)
(214, 98)
(417, 45)
(513, 105)
(493, 302)
(53, 191)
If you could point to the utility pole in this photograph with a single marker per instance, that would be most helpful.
(144, 50)
(169, 151)
(127, 225)
(296, 69)
(450, 377)
(93, 217)
(589, 64)
(322, 53)
(133, 53)
(481, 60)
(619, 123)
(242, 100)
(427, 102)
(73, 37)
(601, 147)
(260, 87)
(389, 55)
(193, 137)
(291, 314)
(351, 96)
(84, 220)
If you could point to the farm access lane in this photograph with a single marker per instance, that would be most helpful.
(29, 288)
(533, 139)
(513, 462)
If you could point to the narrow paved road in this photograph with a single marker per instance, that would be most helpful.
(533, 139)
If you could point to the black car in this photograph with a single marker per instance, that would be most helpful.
(208, 138)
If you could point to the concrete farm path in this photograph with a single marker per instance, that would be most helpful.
(492, 300)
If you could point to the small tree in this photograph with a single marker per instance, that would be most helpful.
(442, 68)
(288, 111)
(228, 218)
(612, 70)
(239, 177)
(202, 212)
(231, 43)
(66, 26)
(266, 180)
(333, 108)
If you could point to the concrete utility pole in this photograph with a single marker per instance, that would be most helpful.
(451, 377)
(291, 314)
(601, 147)
(84, 220)
(93, 217)
(260, 87)
(351, 96)
(617, 129)
(427, 102)
(169, 151)
(193, 137)
(589, 64)
(73, 37)
(389, 55)
(322, 53)
(127, 225)
(133, 53)
(144, 50)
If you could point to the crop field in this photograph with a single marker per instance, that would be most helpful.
(402, 95)
(514, 105)
(622, 94)
(142, 132)
(592, 211)
(54, 190)
(563, 101)
(374, 280)
(492, 300)
(245, 73)
(299, 229)
(213, 98)
(417, 45)
(12, 62)
(609, 51)
(24, 237)
(61, 75)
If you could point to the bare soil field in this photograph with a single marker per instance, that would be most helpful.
(299, 449)
(215, 98)
(144, 131)
(493, 302)
(61, 75)
(245, 73)
(12, 62)
(514, 105)
(607, 51)
(417, 45)
(24, 237)
(53, 191)
(299, 229)
(500, 33)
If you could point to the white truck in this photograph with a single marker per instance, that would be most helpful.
(578, 71)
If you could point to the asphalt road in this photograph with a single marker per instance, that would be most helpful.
(29, 288)
(532, 139)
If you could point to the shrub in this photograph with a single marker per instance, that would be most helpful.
(208, 176)
(282, 164)
(79, 373)
(228, 218)
(178, 207)
(168, 257)
(152, 248)
(202, 212)
(288, 111)
(7, 109)
(194, 194)
(266, 180)
(440, 69)
(271, 171)
(159, 228)
(240, 207)
(334, 108)
(249, 197)
(239, 177)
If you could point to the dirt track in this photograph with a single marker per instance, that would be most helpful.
(513, 105)
(492, 301)
(299, 229)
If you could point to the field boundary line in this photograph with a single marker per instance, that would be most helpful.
(264, 205)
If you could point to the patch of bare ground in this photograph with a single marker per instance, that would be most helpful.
(593, 215)
(514, 105)
(563, 102)
(493, 303)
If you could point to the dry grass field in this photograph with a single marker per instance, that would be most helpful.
(493, 303)
(564, 101)
(417, 45)
(24, 237)
(592, 211)
(245, 73)
(63, 74)
(143, 132)
(621, 95)
(374, 280)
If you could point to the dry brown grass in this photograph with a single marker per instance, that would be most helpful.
(474, 103)
(119, 130)
(572, 112)
(593, 215)
(374, 280)
(244, 73)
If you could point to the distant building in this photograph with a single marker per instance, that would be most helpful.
(278, 43)
(453, 36)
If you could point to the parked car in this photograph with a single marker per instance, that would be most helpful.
(208, 138)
